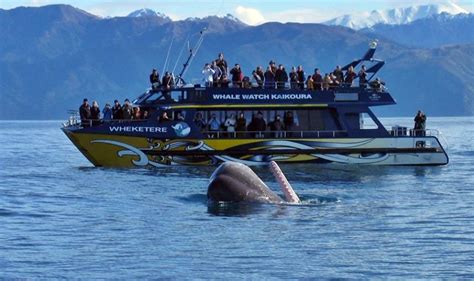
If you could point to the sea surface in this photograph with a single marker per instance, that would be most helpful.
(62, 218)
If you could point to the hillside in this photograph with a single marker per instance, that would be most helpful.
(66, 54)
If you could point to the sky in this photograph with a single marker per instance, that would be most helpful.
(251, 12)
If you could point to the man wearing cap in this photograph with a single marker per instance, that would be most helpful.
(85, 113)
(155, 79)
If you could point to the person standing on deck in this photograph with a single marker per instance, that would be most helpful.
(214, 126)
(85, 113)
(277, 126)
(338, 74)
(229, 124)
(154, 79)
(216, 77)
(310, 83)
(293, 78)
(199, 121)
(261, 75)
(127, 110)
(269, 78)
(300, 77)
(327, 82)
(318, 80)
(273, 66)
(420, 123)
(208, 75)
(350, 76)
(281, 77)
(241, 125)
(222, 63)
(117, 110)
(362, 77)
(289, 122)
(167, 84)
(107, 112)
(237, 76)
(95, 113)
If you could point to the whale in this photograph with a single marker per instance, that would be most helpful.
(236, 182)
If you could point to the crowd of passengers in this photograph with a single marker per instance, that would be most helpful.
(237, 125)
(92, 115)
(217, 73)
(233, 125)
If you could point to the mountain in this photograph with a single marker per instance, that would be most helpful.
(430, 32)
(147, 13)
(394, 16)
(53, 56)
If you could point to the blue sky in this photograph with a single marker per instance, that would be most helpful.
(252, 12)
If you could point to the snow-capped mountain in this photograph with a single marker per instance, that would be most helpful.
(146, 13)
(394, 16)
(431, 32)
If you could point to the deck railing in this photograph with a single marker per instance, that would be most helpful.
(290, 85)
(274, 134)
(404, 132)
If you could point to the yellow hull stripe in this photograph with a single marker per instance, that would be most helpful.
(103, 154)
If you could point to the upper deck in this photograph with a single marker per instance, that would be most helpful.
(278, 93)
(213, 97)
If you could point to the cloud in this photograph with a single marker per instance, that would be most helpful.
(249, 15)
(36, 3)
(302, 15)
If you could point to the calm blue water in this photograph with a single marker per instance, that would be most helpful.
(62, 218)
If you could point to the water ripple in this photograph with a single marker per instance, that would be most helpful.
(62, 218)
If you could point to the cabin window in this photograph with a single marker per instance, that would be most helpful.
(177, 95)
(360, 121)
(353, 120)
(171, 115)
(367, 123)
(308, 120)
(146, 113)
(179, 115)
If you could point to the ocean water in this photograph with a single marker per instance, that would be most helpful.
(62, 218)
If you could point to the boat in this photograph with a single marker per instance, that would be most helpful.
(335, 125)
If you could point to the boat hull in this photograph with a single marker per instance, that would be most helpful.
(126, 151)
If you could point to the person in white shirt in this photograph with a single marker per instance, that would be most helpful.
(207, 75)
(230, 124)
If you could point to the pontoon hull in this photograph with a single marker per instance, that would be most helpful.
(126, 151)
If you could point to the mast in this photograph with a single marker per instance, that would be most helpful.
(192, 53)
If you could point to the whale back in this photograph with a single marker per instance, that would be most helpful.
(235, 182)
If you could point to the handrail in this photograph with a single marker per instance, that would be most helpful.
(404, 131)
(74, 120)
(273, 134)
(292, 86)
(254, 85)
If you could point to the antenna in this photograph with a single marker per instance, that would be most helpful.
(168, 55)
(192, 54)
(180, 54)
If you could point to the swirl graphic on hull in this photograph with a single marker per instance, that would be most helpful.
(253, 159)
